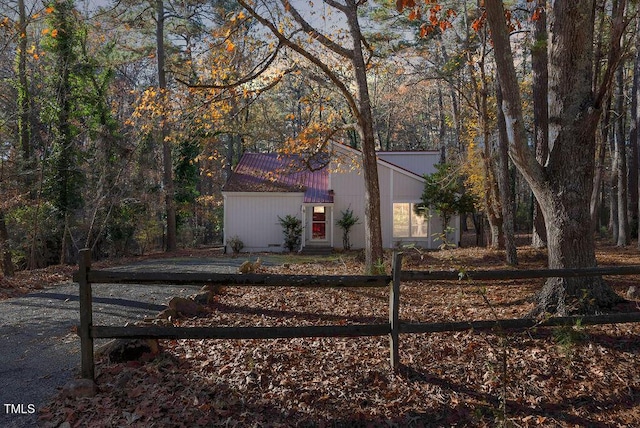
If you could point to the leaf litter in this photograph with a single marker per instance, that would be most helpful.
(565, 377)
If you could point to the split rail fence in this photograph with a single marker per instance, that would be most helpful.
(86, 277)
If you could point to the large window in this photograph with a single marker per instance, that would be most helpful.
(406, 224)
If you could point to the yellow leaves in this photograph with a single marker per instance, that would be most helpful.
(239, 17)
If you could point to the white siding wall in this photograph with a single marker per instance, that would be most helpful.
(420, 163)
(349, 194)
(253, 217)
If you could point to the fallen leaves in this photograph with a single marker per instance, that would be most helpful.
(446, 379)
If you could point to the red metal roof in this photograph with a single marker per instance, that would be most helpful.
(272, 172)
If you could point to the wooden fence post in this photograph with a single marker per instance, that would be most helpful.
(394, 311)
(86, 315)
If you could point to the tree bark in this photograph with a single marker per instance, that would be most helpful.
(504, 185)
(373, 228)
(634, 200)
(167, 162)
(563, 186)
(24, 116)
(7, 264)
(621, 162)
(539, 61)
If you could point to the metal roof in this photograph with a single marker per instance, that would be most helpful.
(272, 172)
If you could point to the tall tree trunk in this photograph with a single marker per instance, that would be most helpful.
(621, 165)
(563, 187)
(5, 251)
(373, 228)
(442, 127)
(597, 192)
(167, 162)
(24, 111)
(634, 164)
(504, 185)
(614, 226)
(539, 61)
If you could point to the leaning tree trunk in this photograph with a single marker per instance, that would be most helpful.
(540, 112)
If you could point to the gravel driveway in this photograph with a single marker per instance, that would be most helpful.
(39, 351)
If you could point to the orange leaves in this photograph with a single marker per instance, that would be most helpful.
(438, 18)
(48, 31)
(478, 23)
(404, 4)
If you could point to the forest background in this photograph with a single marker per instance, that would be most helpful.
(121, 121)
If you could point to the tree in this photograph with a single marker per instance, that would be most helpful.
(540, 109)
(167, 162)
(64, 181)
(443, 193)
(563, 185)
(504, 187)
(358, 100)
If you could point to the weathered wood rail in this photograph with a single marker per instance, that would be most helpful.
(88, 332)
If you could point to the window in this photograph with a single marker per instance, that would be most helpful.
(319, 223)
(406, 223)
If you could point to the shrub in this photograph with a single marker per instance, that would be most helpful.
(292, 231)
(346, 222)
(236, 244)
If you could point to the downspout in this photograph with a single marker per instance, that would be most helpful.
(303, 210)
(224, 223)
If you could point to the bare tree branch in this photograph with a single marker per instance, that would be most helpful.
(252, 76)
(285, 41)
(321, 38)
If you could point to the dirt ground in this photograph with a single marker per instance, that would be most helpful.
(560, 377)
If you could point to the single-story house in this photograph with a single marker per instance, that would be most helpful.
(265, 186)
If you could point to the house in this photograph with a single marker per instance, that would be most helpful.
(265, 186)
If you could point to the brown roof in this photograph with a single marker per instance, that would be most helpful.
(272, 172)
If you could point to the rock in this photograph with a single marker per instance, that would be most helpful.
(185, 307)
(123, 350)
(203, 297)
(167, 313)
(79, 388)
(633, 292)
(250, 267)
(163, 322)
(245, 267)
(214, 288)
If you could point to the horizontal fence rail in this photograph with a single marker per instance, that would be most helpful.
(516, 274)
(88, 332)
(249, 279)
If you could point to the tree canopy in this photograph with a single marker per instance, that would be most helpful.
(121, 122)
